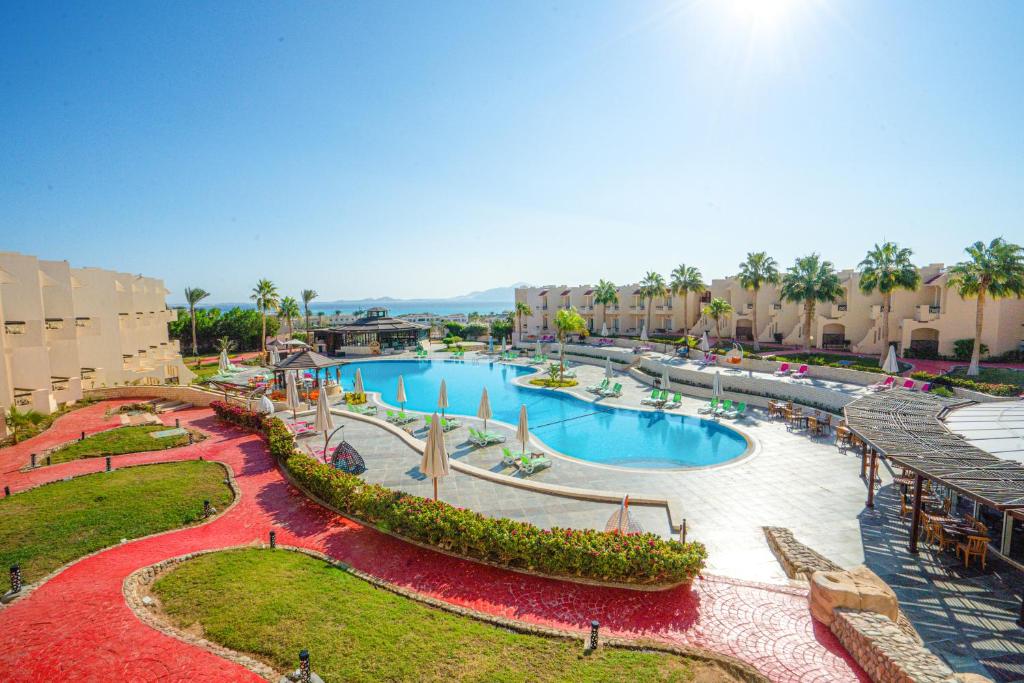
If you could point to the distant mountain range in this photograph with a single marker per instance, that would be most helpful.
(492, 295)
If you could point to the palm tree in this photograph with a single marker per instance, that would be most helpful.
(996, 271)
(522, 308)
(651, 288)
(22, 419)
(758, 270)
(502, 328)
(717, 309)
(809, 281)
(288, 309)
(686, 279)
(567, 321)
(266, 297)
(225, 344)
(193, 296)
(887, 268)
(307, 296)
(605, 293)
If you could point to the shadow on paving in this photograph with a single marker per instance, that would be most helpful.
(966, 616)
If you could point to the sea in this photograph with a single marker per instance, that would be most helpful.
(437, 307)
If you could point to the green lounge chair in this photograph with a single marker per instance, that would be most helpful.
(737, 412)
(530, 463)
(493, 437)
(677, 400)
(390, 416)
(652, 399)
(725, 407)
(615, 391)
(598, 388)
(508, 458)
(403, 419)
(427, 419)
(448, 425)
(709, 408)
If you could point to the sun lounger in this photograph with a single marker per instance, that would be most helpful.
(724, 407)
(481, 438)
(509, 458)
(801, 373)
(653, 399)
(909, 384)
(880, 386)
(709, 408)
(736, 412)
(783, 370)
(616, 390)
(926, 387)
(448, 424)
(531, 462)
(598, 388)
(677, 400)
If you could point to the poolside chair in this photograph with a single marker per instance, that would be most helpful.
(783, 370)
(677, 400)
(427, 420)
(403, 419)
(736, 412)
(653, 399)
(615, 391)
(598, 388)
(390, 415)
(448, 425)
(711, 407)
(725, 407)
(926, 387)
(909, 384)
(508, 458)
(531, 462)
(881, 386)
(481, 438)
(801, 373)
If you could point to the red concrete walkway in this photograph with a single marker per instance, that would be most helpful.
(78, 627)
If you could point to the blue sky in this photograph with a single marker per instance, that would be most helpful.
(430, 149)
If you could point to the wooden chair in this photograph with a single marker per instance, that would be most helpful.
(905, 509)
(976, 546)
(980, 526)
(947, 505)
(939, 536)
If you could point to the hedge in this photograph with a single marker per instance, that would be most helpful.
(965, 383)
(639, 559)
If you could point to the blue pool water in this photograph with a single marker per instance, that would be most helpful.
(581, 429)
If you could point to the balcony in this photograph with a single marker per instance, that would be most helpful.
(15, 327)
(925, 313)
(777, 306)
(54, 324)
(876, 312)
(58, 384)
(837, 310)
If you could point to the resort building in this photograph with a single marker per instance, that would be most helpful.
(375, 333)
(924, 322)
(70, 329)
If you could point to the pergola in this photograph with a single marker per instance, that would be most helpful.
(305, 361)
(906, 427)
(378, 329)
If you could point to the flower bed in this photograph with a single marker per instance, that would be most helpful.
(639, 559)
(965, 383)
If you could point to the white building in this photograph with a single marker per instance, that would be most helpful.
(69, 329)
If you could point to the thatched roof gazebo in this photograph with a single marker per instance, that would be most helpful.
(305, 361)
(372, 333)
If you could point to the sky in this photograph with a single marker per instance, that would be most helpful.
(424, 150)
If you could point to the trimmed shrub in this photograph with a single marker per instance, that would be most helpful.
(966, 383)
(964, 348)
(642, 559)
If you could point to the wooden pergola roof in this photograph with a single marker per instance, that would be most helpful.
(307, 360)
(906, 427)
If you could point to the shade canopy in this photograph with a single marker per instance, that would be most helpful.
(357, 384)
(442, 397)
(705, 345)
(608, 367)
(434, 463)
(401, 391)
(666, 381)
(643, 333)
(716, 384)
(891, 365)
(523, 430)
(324, 419)
(306, 360)
(291, 391)
(604, 329)
(275, 357)
(483, 411)
(266, 405)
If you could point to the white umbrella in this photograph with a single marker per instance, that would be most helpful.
(608, 367)
(484, 411)
(357, 385)
(665, 379)
(266, 405)
(604, 329)
(716, 384)
(275, 357)
(523, 431)
(891, 365)
(442, 398)
(401, 392)
(291, 392)
(643, 333)
(222, 363)
(705, 345)
(324, 419)
(435, 457)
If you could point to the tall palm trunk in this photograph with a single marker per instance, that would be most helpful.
(753, 317)
(718, 331)
(263, 337)
(886, 305)
(974, 369)
(307, 326)
(561, 358)
(195, 347)
(650, 306)
(686, 317)
(808, 315)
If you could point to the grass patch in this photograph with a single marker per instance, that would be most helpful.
(993, 376)
(833, 360)
(121, 440)
(44, 424)
(553, 383)
(272, 604)
(204, 373)
(49, 526)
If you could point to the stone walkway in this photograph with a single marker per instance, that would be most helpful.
(78, 627)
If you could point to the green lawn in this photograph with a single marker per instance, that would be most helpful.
(203, 373)
(47, 527)
(993, 375)
(835, 360)
(272, 604)
(118, 441)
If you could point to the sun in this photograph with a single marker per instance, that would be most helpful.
(763, 15)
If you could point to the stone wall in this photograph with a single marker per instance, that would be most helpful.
(186, 394)
(798, 560)
(885, 652)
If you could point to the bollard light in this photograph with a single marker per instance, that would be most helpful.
(108, 463)
(682, 532)
(33, 460)
(48, 460)
(82, 438)
(177, 422)
(593, 634)
(207, 509)
(305, 673)
(273, 539)
(7, 492)
(190, 439)
(15, 578)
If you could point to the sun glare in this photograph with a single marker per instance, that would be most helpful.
(763, 15)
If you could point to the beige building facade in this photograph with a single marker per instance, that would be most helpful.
(68, 329)
(926, 321)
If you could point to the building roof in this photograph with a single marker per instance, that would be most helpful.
(566, 292)
(379, 324)
(306, 360)
(907, 427)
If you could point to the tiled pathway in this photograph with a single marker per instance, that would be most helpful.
(78, 627)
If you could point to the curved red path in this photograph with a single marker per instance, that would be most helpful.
(77, 626)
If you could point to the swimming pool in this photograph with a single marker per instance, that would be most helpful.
(577, 428)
